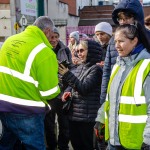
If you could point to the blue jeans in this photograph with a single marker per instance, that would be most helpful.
(27, 128)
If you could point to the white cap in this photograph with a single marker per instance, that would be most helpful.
(75, 35)
(104, 27)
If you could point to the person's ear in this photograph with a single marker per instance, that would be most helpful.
(135, 41)
(46, 32)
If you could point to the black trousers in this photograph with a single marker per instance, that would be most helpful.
(50, 127)
(81, 135)
(18, 146)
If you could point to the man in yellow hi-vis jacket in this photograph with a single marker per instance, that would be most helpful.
(28, 78)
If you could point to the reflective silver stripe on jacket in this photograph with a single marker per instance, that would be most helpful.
(31, 57)
(26, 75)
(21, 101)
(49, 92)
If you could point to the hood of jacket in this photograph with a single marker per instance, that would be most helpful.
(94, 54)
(133, 6)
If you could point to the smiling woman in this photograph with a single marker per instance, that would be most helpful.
(85, 86)
(82, 50)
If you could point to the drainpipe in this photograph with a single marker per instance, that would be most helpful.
(13, 16)
(46, 7)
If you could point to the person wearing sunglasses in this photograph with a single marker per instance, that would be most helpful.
(85, 83)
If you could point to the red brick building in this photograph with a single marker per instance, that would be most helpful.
(71, 6)
(4, 1)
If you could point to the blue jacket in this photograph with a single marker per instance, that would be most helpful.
(135, 7)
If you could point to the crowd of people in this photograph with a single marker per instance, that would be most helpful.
(106, 81)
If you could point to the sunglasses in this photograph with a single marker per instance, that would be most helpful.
(80, 51)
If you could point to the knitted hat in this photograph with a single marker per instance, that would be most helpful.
(104, 27)
(75, 35)
(56, 30)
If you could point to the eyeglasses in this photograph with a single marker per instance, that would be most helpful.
(80, 51)
(123, 19)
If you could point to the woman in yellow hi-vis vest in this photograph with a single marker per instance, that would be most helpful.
(127, 105)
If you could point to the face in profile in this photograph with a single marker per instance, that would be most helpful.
(72, 40)
(124, 45)
(102, 37)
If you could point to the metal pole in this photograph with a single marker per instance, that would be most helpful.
(13, 15)
(46, 7)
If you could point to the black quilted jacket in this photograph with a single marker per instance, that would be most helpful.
(86, 86)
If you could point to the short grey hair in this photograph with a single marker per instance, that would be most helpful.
(44, 22)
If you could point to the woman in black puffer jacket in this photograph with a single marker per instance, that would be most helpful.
(85, 83)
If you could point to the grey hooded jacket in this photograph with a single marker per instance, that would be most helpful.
(126, 64)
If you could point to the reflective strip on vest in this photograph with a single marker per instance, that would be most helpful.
(49, 92)
(106, 116)
(137, 99)
(132, 119)
(21, 101)
(139, 77)
(106, 99)
(114, 69)
(131, 100)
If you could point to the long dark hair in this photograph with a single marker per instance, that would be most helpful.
(135, 30)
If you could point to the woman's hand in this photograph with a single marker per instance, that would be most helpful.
(65, 96)
(101, 64)
(62, 69)
(76, 60)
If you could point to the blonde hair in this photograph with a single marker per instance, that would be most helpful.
(72, 46)
(84, 43)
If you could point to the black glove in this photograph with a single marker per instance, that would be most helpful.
(99, 130)
(145, 147)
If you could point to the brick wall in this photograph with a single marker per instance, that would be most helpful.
(146, 10)
(4, 1)
(71, 6)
